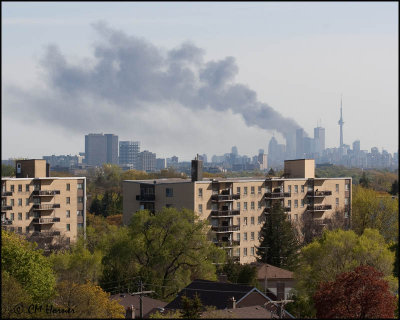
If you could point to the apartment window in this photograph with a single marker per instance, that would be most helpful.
(245, 252)
(238, 236)
(238, 221)
(80, 199)
(12, 229)
(346, 201)
(19, 202)
(337, 188)
(347, 187)
(245, 190)
(238, 190)
(259, 235)
(252, 220)
(337, 202)
(245, 236)
(252, 207)
(245, 206)
(27, 201)
(238, 205)
(169, 192)
(252, 251)
(80, 225)
(252, 190)
(289, 188)
(289, 203)
(296, 189)
(19, 229)
(296, 217)
(80, 186)
(296, 203)
(19, 215)
(289, 216)
(12, 216)
(68, 227)
(79, 213)
(259, 220)
(20, 188)
(12, 202)
(68, 213)
(12, 188)
(200, 192)
(302, 188)
(27, 229)
(68, 199)
(26, 215)
(200, 208)
(252, 236)
(237, 252)
(245, 221)
(259, 204)
(27, 187)
(68, 187)
(259, 189)
(302, 203)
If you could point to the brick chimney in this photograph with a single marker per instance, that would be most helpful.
(231, 303)
(130, 312)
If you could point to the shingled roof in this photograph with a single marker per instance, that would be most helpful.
(212, 293)
(269, 271)
(149, 304)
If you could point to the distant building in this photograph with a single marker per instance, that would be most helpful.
(147, 161)
(65, 161)
(129, 153)
(319, 140)
(356, 146)
(300, 143)
(161, 163)
(101, 149)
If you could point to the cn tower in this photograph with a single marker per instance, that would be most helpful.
(341, 122)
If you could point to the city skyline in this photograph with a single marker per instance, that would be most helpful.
(48, 110)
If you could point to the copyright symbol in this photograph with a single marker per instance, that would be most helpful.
(19, 308)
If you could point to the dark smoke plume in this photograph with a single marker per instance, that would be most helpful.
(128, 73)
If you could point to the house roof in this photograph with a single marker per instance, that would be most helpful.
(149, 304)
(252, 312)
(269, 271)
(212, 293)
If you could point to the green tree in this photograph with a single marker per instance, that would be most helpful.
(278, 243)
(240, 273)
(28, 266)
(364, 181)
(167, 250)
(191, 308)
(271, 172)
(371, 209)
(336, 252)
(7, 170)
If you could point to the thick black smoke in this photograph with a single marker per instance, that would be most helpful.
(129, 73)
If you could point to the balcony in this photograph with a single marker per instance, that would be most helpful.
(285, 209)
(224, 197)
(276, 195)
(236, 258)
(45, 193)
(228, 244)
(320, 194)
(319, 207)
(146, 197)
(6, 193)
(223, 229)
(6, 208)
(45, 220)
(49, 206)
(45, 234)
(6, 222)
(225, 213)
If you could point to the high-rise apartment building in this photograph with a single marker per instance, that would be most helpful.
(129, 153)
(147, 161)
(237, 207)
(101, 149)
(43, 208)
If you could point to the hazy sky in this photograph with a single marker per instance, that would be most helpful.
(187, 78)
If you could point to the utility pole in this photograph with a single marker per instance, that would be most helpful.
(140, 293)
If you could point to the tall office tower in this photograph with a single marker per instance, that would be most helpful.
(147, 161)
(300, 143)
(101, 149)
(112, 148)
(290, 152)
(319, 140)
(308, 145)
(234, 150)
(262, 161)
(356, 146)
(129, 152)
(341, 122)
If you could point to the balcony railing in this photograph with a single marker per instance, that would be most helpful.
(49, 206)
(6, 222)
(6, 193)
(43, 234)
(146, 197)
(43, 193)
(45, 220)
(319, 207)
(285, 209)
(225, 197)
(224, 213)
(319, 193)
(228, 244)
(6, 208)
(225, 228)
(277, 195)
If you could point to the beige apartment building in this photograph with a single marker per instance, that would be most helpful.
(43, 208)
(236, 208)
